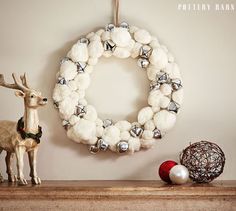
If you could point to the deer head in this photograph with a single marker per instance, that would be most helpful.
(32, 98)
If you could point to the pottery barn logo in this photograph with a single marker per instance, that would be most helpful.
(206, 7)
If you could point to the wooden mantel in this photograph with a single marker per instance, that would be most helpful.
(118, 195)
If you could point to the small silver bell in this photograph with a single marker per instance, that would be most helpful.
(109, 45)
(84, 40)
(173, 106)
(124, 25)
(80, 110)
(162, 78)
(109, 27)
(136, 131)
(122, 146)
(145, 51)
(156, 133)
(61, 81)
(176, 84)
(107, 123)
(154, 85)
(66, 124)
(80, 67)
(143, 63)
(102, 145)
(93, 149)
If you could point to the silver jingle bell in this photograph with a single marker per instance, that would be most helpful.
(61, 81)
(145, 51)
(66, 124)
(109, 45)
(157, 134)
(124, 25)
(107, 123)
(136, 131)
(84, 40)
(93, 149)
(122, 146)
(143, 63)
(102, 145)
(110, 27)
(162, 78)
(80, 67)
(173, 107)
(176, 84)
(80, 110)
(154, 85)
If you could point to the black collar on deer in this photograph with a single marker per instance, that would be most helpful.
(24, 135)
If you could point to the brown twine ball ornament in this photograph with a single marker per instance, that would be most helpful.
(204, 160)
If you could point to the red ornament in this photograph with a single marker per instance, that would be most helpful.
(164, 170)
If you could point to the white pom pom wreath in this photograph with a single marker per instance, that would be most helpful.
(81, 120)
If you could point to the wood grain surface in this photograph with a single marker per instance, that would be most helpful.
(118, 195)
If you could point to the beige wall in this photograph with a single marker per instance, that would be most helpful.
(36, 34)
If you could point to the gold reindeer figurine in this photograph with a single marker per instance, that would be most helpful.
(24, 135)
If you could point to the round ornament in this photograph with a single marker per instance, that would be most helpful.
(204, 160)
(164, 170)
(179, 174)
(83, 124)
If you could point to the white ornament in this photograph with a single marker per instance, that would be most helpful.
(179, 174)
(81, 119)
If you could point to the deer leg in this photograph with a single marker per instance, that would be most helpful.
(32, 154)
(1, 177)
(20, 150)
(8, 159)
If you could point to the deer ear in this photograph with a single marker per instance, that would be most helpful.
(19, 93)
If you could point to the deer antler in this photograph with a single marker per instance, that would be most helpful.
(16, 84)
(24, 81)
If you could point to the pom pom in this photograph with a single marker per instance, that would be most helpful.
(125, 135)
(159, 58)
(121, 37)
(91, 113)
(166, 89)
(136, 50)
(112, 136)
(154, 98)
(142, 36)
(147, 134)
(144, 115)
(146, 144)
(68, 70)
(121, 52)
(149, 125)
(60, 92)
(82, 80)
(95, 49)
(134, 145)
(79, 52)
(85, 130)
(164, 120)
(123, 125)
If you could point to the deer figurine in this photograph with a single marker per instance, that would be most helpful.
(24, 135)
